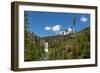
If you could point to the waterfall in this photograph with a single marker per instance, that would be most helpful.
(46, 51)
(46, 47)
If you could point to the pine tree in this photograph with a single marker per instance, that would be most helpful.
(26, 37)
(74, 24)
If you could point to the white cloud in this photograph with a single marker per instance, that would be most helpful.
(69, 29)
(56, 28)
(60, 32)
(68, 32)
(83, 19)
(47, 28)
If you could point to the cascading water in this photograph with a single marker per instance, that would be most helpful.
(46, 51)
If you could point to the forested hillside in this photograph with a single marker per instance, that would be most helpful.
(72, 46)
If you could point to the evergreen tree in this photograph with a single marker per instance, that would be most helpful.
(74, 24)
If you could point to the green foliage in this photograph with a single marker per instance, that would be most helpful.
(34, 52)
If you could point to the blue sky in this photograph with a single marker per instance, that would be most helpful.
(51, 23)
